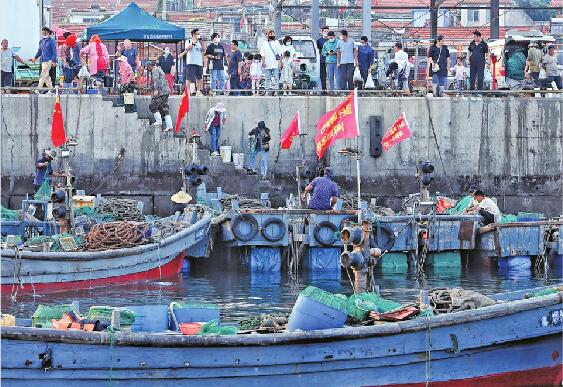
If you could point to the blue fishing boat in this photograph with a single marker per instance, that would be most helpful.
(514, 342)
(30, 270)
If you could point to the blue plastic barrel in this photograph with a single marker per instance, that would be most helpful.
(150, 318)
(310, 315)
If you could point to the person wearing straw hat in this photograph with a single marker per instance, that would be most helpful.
(43, 169)
(180, 199)
(214, 122)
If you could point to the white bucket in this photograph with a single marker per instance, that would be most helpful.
(225, 152)
(238, 160)
(128, 98)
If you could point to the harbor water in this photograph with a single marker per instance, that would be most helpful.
(240, 292)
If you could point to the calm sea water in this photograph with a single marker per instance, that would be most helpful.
(240, 293)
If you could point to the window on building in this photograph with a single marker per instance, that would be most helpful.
(473, 15)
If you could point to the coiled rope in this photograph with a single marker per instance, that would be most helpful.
(115, 235)
(121, 209)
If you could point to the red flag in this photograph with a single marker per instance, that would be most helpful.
(183, 110)
(291, 131)
(58, 136)
(338, 123)
(398, 132)
(242, 22)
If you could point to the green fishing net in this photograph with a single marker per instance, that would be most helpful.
(213, 328)
(44, 191)
(335, 301)
(359, 305)
(103, 313)
(540, 293)
(192, 305)
(7, 214)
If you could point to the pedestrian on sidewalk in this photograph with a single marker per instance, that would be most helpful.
(438, 66)
(8, 55)
(287, 73)
(533, 63)
(552, 73)
(97, 54)
(215, 54)
(329, 51)
(214, 122)
(320, 44)
(460, 73)
(124, 70)
(193, 69)
(166, 63)
(271, 54)
(47, 54)
(346, 59)
(478, 53)
(235, 68)
(256, 73)
(245, 78)
(159, 100)
(366, 55)
(131, 54)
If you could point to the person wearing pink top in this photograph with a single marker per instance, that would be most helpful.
(98, 56)
(125, 70)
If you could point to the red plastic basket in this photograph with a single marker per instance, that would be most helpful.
(192, 328)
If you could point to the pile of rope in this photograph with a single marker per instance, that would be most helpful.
(265, 323)
(167, 227)
(115, 235)
(350, 202)
(227, 202)
(121, 209)
(449, 300)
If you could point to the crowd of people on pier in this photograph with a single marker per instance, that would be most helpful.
(344, 64)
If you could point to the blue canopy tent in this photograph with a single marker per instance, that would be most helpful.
(135, 24)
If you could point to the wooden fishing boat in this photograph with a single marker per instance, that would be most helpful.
(27, 270)
(515, 342)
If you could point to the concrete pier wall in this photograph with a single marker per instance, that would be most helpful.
(511, 147)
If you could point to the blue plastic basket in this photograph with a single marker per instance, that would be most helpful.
(184, 314)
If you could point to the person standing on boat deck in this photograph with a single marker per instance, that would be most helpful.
(259, 145)
(159, 99)
(214, 122)
(486, 207)
(325, 191)
(43, 169)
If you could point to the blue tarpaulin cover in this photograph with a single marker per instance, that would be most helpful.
(136, 24)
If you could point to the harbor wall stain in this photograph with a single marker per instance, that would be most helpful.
(511, 147)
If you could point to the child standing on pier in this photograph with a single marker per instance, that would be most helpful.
(287, 73)
(460, 73)
(256, 72)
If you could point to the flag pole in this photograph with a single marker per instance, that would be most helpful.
(299, 166)
(358, 174)
(184, 182)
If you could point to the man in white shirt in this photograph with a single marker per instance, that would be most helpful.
(271, 52)
(487, 208)
(402, 60)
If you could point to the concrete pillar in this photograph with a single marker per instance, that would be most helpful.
(495, 19)
(315, 14)
(366, 18)
(277, 20)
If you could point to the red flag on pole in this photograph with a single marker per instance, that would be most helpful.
(58, 136)
(398, 132)
(242, 22)
(183, 110)
(338, 123)
(291, 131)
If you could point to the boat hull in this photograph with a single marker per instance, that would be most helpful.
(49, 270)
(498, 344)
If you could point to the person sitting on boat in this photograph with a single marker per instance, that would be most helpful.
(180, 200)
(472, 203)
(43, 169)
(487, 208)
(325, 191)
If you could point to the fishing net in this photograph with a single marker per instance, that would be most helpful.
(461, 205)
(44, 192)
(192, 305)
(335, 301)
(45, 313)
(508, 218)
(55, 240)
(272, 321)
(213, 328)
(103, 313)
(543, 292)
(89, 212)
(359, 305)
(7, 214)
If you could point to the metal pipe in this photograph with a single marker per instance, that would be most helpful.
(366, 18)
(315, 19)
(495, 22)
(408, 8)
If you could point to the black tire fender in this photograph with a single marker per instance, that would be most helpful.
(236, 227)
(386, 240)
(273, 221)
(325, 241)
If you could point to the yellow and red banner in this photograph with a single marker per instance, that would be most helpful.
(398, 132)
(338, 123)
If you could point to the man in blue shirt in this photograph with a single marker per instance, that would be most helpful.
(325, 191)
(130, 53)
(320, 43)
(346, 59)
(43, 169)
(47, 52)
(366, 55)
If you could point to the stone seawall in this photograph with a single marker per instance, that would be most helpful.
(512, 147)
